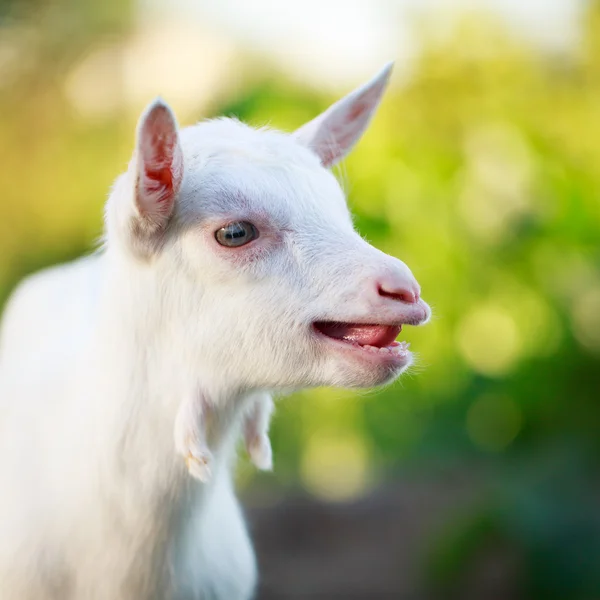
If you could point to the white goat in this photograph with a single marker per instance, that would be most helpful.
(230, 271)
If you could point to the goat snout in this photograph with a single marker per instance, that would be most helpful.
(399, 288)
(400, 293)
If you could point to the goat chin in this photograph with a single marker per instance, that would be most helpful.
(230, 271)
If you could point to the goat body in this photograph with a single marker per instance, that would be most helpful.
(230, 272)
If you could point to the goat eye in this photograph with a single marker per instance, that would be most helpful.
(236, 234)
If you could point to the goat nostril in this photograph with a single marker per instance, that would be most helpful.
(400, 294)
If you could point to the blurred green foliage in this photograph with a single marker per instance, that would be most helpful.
(482, 173)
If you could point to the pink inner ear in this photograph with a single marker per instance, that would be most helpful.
(343, 136)
(343, 131)
(161, 163)
(357, 110)
(333, 133)
(162, 179)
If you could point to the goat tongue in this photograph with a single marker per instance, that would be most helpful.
(364, 335)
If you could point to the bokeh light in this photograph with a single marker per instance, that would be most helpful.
(489, 340)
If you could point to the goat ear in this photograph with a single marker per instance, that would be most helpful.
(158, 165)
(333, 133)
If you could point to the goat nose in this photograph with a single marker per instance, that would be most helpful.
(399, 289)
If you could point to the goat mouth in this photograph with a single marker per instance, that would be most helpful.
(379, 338)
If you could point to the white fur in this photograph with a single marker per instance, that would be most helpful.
(165, 334)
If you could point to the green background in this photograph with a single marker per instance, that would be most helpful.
(482, 172)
